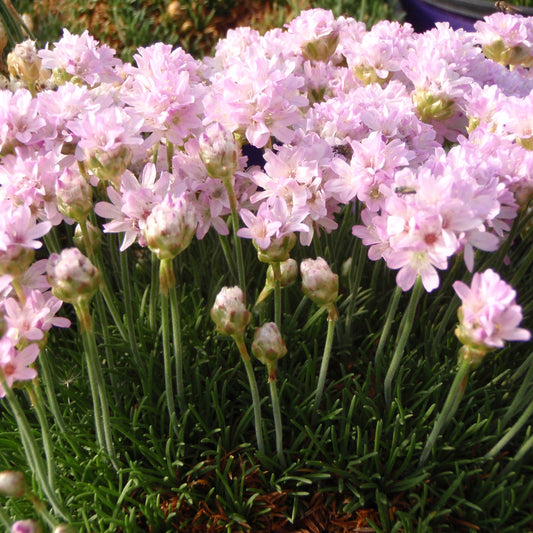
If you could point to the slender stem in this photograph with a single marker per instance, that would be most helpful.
(455, 394)
(140, 363)
(239, 340)
(177, 345)
(96, 375)
(31, 449)
(385, 332)
(519, 396)
(276, 269)
(278, 426)
(237, 241)
(154, 294)
(517, 426)
(325, 362)
(524, 449)
(36, 400)
(227, 254)
(166, 272)
(523, 268)
(356, 273)
(51, 396)
(403, 335)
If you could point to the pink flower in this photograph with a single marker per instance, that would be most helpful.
(34, 318)
(14, 364)
(83, 57)
(129, 208)
(489, 315)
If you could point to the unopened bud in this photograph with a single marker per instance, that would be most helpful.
(12, 483)
(90, 241)
(72, 276)
(170, 227)
(229, 311)
(279, 249)
(319, 283)
(64, 528)
(288, 271)
(28, 21)
(268, 345)
(108, 166)
(322, 48)
(24, 63)
(74, 195)
(219, 151)
(25, 526)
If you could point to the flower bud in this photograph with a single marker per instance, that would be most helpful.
(72, 276)
(108, 166)
(323, 47)
(431, 107)
(279, 249)
(93, 235)
(170, 227)
(25, 526)
(24, 63)
(28, 21)
(229, 311)
(12, 483)
(289, 271)
(319, 283)
(64, 528)
(219, 151)
(268, 345)
(74, 195)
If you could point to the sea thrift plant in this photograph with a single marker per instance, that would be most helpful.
(150, 197)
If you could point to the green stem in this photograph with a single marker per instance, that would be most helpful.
(355, 275)
(278, 426)
(227, 254)
(36, 400)
(517, 426)
(455, 394)
(239, 340)
(237, 240)
(31, 449)
(524, 449)
(96, 379)
(325, 361)
(140, 363)
(154, 294)
(520, 396)
(385, 332)
(165, 283)
(51, 396)
(524, 266)
(405, 329)
(276, 268)
(177, 344)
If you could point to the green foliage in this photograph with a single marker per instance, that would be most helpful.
(358, 457)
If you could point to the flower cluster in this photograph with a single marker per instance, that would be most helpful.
(427, 132)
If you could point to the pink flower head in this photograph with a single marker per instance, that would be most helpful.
(165, 89)
(489, 315)
(33, 319)
(18, 237)
(129, 208)
(82, 57)
(14, 364)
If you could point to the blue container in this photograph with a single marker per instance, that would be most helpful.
(423, 14)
